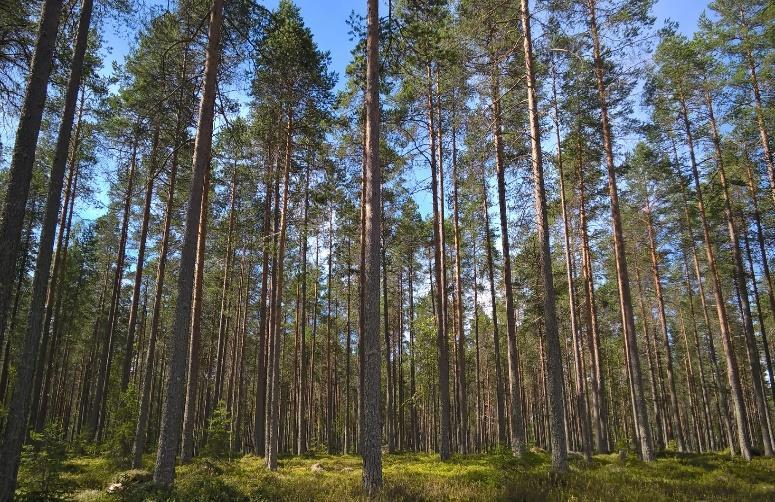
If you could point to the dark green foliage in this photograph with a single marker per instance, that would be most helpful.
(219, 432)
(124, 415)
(43, 458)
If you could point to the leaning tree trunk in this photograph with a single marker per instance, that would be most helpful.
(23, 157)
(195, 337)
(172, 408)
(19, 407)
(742, 286)
(733, 375)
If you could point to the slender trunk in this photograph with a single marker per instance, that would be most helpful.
(192, 377)
(760, 117)
(459, 314)
(330, 438)
(655, 274)
(733, 376)
(438, 265)
(276, 317)
(132, 328)
(259, 425)
(138, 446)
(578, 351)
(599, 405)
(622, 276)
(742, 286)
(172, 408)
(500, 398)
(55, 294)
(763, 260)
(99, 408)
(516, 420)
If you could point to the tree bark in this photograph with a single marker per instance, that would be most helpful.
(622, 276)
(19, 406)
(276, 317)
(195, 337)
(516, 419)
(130, 337)
(655, 274)
(370, 425)
(554, 361)
(500, 397)
(23, 159)
(172, 408)
(742, 286)
(733, 376)
(578, 351)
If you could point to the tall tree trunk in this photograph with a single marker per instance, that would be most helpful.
(132, 328)
(412, 360)
(438, 265)
(225, 295)
(146, 389)
(370, 425)
(276, 315)
(733, 376)
(259, 426)
(301, 409)
(172, 408)
(19, 406)
(195, 337)
(578, 351)
(55, 295)
(763, 259)
(459, 314)
(99, 409)
(516, 419)
(742, 286)
(554, 361)
(760, 117)
(622, 276)
(500, 397)
(674, 413)
(599, 406)
(23, 160)
(330, 435)
(348, 355)
(147, 383)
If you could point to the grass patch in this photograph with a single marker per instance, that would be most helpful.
(421, 477)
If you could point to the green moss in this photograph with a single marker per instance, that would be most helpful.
(420, 476)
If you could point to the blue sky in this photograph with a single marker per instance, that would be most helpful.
(328, 21)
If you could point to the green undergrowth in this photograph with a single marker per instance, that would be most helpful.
(415, 476)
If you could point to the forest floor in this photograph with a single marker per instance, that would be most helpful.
(411, 476)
